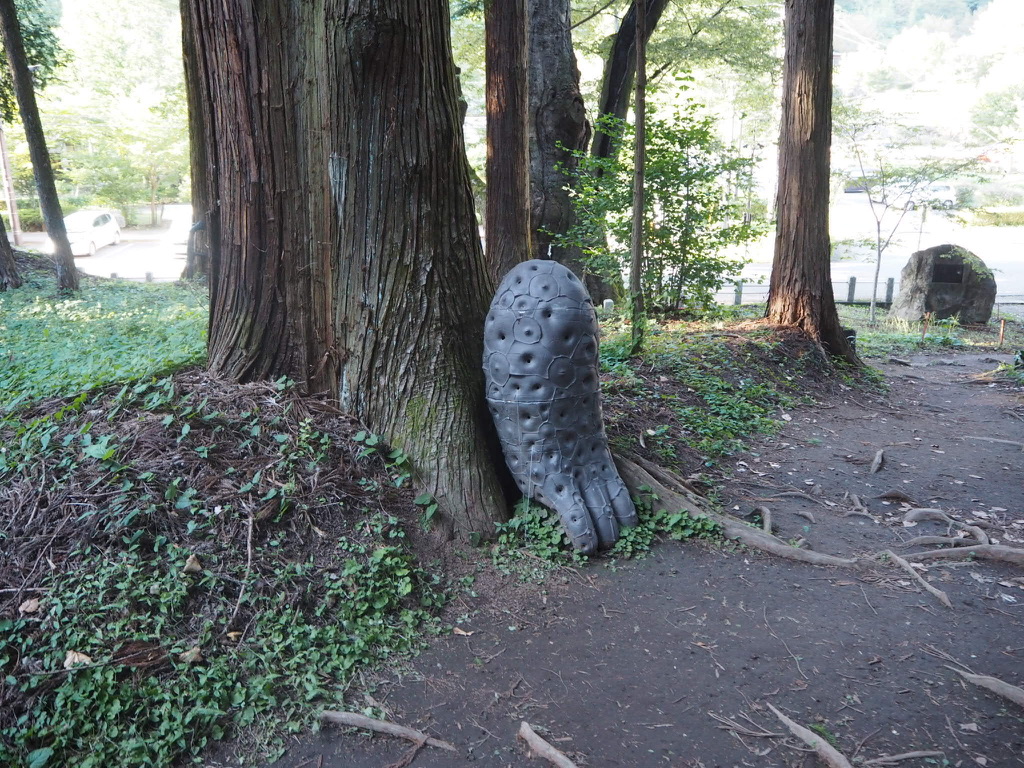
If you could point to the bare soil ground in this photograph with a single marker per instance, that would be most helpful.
(672, 660)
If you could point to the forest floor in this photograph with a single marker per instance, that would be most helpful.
(675, 658)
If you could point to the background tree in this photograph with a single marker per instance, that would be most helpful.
(800, 291)
(43, 51)
(558, 129)
(507, 221)
(67, 274)
(9, 277)
(344, 251)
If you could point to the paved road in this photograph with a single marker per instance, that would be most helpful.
(853, 228)
(141, 251)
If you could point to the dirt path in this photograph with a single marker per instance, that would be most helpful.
(636, 664)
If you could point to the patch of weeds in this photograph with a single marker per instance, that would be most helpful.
(825, 733)
(54, 346)
(534, 542)
(216, 568)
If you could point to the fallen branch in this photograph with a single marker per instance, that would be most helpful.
(541, 748)
(939, 595)
(832, 757)
(355, 720)
(890, 759)
(677, 498)
(994, 684)
(998, 552)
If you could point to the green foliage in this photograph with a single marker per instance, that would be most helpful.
(37, 18)
(694, 185)
(170, 667)
(111, 331)
(534, 541)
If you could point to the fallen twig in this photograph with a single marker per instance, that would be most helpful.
(939, 595)
(878, 461)
(996, 440)
(245, 578)
(832, 757)
(355, 720)
(994, 684)
(541, 748)
(728, 724)
(890, 759)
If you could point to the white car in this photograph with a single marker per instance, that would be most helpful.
(934, 195)
(88, 231)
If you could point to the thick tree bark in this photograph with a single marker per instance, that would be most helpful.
(21, 76)
(9, 277)
(620, 69)
(344, 251)
(558, 126)
(507, 219)
(800, 291)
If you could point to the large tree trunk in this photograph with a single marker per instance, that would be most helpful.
(558, 126)
(9, 277)
(21, 76)
(620, 69)
(800, 291)
(507, 219)
(343, 245)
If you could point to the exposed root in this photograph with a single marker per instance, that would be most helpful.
(355, 720)
(994, 684)
(937, 515)
(998, 552)
(829, 754)
(541, 748)
(674, 495)
(939, 595)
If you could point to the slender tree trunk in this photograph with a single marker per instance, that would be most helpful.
(636, 267)
(9, 277)
(344, 251)
(800, 291)
(507, 220)
(200, 110)
(620, 69)
(21, 76)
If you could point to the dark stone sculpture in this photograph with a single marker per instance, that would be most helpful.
(540, 363)
(946, 281)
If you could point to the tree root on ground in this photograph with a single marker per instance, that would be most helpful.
(994, 684)
(829, 754)
(997, 552)
(542, 749)
(644, 478)
(939, 595)
(356, 720)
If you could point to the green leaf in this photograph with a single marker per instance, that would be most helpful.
(39, 757)
(422, 499)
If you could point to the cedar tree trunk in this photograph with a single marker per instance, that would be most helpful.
(197, 260)
(558, 126)
(344, 251)
(636, 261)
(507, 217)
(21, 77)
(9, 277)
(620, 68)
(800, 292)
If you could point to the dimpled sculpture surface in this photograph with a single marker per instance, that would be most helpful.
(540, 363)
